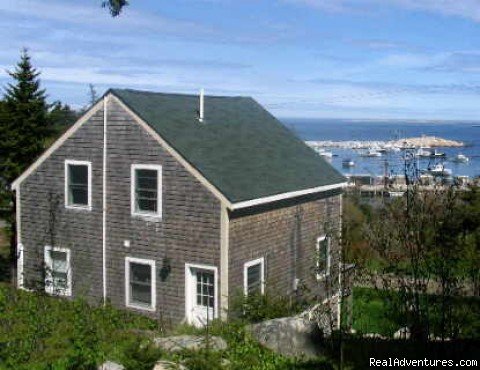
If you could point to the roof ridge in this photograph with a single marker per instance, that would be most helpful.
(179, 94)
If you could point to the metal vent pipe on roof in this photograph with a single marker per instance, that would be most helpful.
(201, 110)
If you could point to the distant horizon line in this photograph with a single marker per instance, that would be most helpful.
(408, 120)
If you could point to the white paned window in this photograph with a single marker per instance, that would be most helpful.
(140, 283)
(254, 276)
(146, 190)
(58, 273)
(323, 256)
(78, 184)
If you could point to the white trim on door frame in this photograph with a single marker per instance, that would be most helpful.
(189, 289)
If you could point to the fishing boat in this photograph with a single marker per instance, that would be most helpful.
(325, 154)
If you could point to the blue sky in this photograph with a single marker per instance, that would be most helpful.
(413, 59)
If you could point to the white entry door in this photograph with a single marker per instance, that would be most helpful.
(201, 294)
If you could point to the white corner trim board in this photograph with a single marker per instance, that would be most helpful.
(292, 194)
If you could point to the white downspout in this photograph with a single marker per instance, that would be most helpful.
(104, 202)
(340, 267)
(20, 257)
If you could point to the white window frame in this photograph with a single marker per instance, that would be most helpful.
(153, 289)
(49, 288)
(148, 215)
(69, 162)
(248, 264)
(329, 257)
(190, 289)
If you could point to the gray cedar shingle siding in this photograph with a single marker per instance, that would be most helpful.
(275, 234)
(79, 230)
(188, 231)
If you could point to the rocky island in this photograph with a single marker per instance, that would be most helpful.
(412, 142)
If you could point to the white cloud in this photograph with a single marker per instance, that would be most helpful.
(469, 9)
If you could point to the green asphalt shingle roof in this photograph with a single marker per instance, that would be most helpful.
(240, 148)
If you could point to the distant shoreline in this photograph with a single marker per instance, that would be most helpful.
(412, 142)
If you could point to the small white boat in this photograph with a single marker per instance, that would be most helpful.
(422, 152)
(439, 170)
(325, 154)
(371, 153)
(436, 153)
(461, 158)
(348, 163)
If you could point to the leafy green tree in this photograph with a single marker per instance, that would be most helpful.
(115, 7)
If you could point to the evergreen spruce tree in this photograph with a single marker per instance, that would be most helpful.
(24, 127)
(24, 120)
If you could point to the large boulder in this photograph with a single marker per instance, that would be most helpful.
(167, 365)
(289, 336)
(109, 365)
(190, 342)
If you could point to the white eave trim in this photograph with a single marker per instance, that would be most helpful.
(292, 194)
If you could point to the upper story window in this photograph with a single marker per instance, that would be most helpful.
(254, 276)
(146, 190)
(58, 274)
(78, 184)
(323, 256)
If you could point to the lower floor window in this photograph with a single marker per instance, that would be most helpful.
(254, 276)
(58, 275)
(323, 256)
(140, 283)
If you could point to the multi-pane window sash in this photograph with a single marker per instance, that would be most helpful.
(78, 185)
(323, 256)
(140, 284)
(254, 276)
(146, 190)
(57, 274)
(254, 279)
(205, 289)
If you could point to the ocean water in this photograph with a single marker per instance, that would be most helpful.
(343, 130)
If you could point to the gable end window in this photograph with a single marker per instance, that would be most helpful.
(140, 283)
(254, 277)
(323, 256)
(146, 190)
(78, 184)
(58, 273)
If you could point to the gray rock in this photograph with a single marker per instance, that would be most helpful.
(189, 342)
(289, 336)
(109, 365)
(402, 333)
(167, 365)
